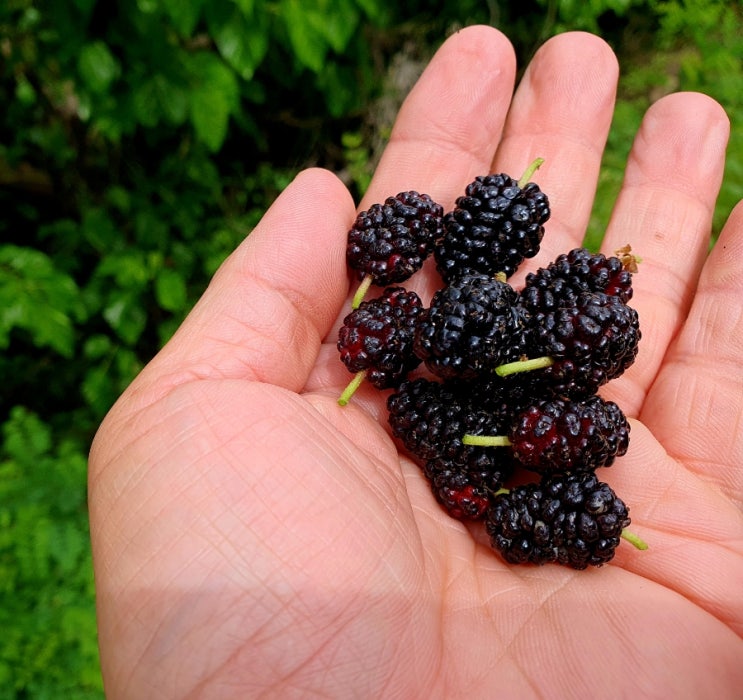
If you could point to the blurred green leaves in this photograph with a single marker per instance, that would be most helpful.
(48, 647)
(184, 15)
(241, 34)
(213, 97)
(314, 28)
(39, 299)
(98, 67)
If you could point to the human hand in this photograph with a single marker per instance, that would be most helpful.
(251, 538)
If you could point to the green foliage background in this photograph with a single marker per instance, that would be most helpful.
(141, 140)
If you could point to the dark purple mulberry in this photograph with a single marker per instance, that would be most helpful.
(559, 284)
(430, 418)
(471, 326)
(590, 343)
(378, 337)
(457, 491)
(390, 241)
(572, 519)
(493, 227)
(562, 435)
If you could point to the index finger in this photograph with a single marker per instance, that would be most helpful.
(449, 126)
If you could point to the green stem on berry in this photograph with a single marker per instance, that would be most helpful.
(634, 539)
(523, 366)
(361, 291)
(486, 440)
(533, 167)
(350, 390)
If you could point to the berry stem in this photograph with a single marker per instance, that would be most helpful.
(361, 291)
(630, 261)
(523, 366)
(634, 539)
(350, 390)
(486, 440)
(533, 167)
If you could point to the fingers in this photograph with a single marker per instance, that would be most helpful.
(562, 112)
(449, 125)
(695, 407)
(272, 301)
(664, 211)
(456, 125)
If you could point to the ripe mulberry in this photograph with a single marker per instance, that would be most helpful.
(462, 494)
(575, 520)
(471, 326)
(390, 241)
(430, 418)
(559, 284)
(562, 435)
(589, 343)
(377, 338)
(492, 228)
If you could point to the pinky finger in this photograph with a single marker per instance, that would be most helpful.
(702, 376)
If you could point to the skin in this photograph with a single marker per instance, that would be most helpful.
(253, 539)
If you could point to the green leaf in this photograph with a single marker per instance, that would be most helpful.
(36, 297)
(127, 316)
(130, 270)
(156, 98)
(99, 230)
(240, 35)
(246, 6)
(24, 91)
(26, 438)
(147, 7)
(376, 11)
(184, 14)
(97, 346)
(214, 96)
(97, 66)
(145, 103)
(338, 22)
(68, 545)
(170, 290)
(171, 99)
(315, 27)
(307, 39)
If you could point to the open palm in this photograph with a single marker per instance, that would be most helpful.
(251, 538)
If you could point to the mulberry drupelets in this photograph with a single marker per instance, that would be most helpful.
(574, 519)
(560, 283)
(493, 227)
(463, 496)
(390, 241)
(494, 389)
(471, 326)
(376, 340)
(590, 343)
(430, 418)
(560, 435)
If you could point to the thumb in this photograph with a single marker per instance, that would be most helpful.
(270, 304)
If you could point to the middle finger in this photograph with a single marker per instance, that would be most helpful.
(562, 112)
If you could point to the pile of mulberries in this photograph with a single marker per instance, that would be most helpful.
(495, 389)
